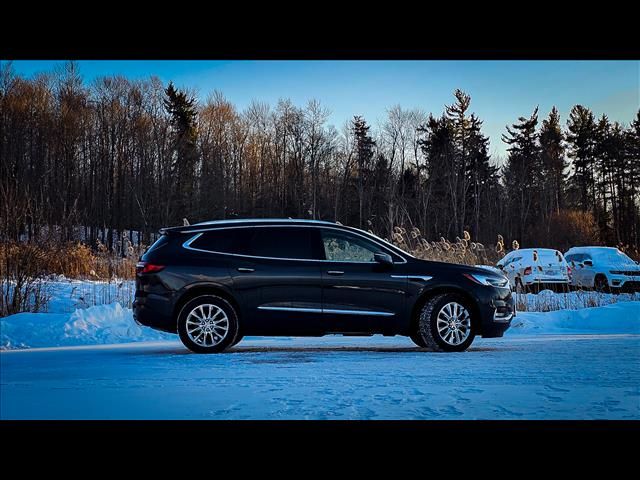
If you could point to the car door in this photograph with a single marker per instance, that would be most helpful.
(277, 278)
(576, 271)
(359, 295)
(587, 272)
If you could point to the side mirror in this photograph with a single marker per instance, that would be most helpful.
(588, 263)
(383, 258)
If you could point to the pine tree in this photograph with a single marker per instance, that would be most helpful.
(437, 145)
(483, 176)
(581, 140)
(183, 115)
(553, 164)
(522, 174)
(364, 154)
(632, 145)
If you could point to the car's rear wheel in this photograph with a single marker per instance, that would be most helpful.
(237, 340)
(207, 324)
(446, 323)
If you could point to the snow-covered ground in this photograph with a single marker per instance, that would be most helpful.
(517, 377)
(576, 363)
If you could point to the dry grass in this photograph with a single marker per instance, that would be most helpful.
(463, 250)
(22, 269)
(25, 266)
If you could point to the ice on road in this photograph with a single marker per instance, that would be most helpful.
(516, 377)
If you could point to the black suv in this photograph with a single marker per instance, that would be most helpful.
(215, 282)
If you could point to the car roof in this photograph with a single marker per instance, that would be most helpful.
(262, 220)
(581, 249)
(530, 250)
(245, 222)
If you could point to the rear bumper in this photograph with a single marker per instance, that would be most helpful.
(154, 311)
(535, 280)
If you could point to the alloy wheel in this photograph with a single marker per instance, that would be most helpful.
(453, 323)
(207, 325)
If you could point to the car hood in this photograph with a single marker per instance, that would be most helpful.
(427, 266)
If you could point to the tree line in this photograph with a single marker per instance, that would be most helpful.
(121, 155)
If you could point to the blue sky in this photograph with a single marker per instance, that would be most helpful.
(501, 91)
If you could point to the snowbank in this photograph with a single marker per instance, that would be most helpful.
(107, 324)
(101, 324)
(620, 318)
(547, 300)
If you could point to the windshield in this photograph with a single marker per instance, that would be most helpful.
(384, 242)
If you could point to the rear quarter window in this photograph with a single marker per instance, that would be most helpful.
(223, 241)
(159, 243)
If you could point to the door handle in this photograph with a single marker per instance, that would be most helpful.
(335, 272)
(246, 270)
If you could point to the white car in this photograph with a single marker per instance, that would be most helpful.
(536, 268)
(603, 268)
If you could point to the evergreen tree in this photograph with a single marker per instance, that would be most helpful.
(522, 173)
(183, 116)
(437, 145)
(632, 144)
(364, 146)
(553, 164)
(581, 140)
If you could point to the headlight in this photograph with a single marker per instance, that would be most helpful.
(489, 280)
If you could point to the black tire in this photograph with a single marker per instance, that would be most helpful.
(228, 338)
(417, 339)
(237, 340)
(601, 284)
(427, 324)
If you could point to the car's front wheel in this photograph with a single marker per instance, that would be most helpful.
(446, 324)
(601, 284)
(207, 324)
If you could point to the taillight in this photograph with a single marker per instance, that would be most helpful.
(569, 271)
(527, 271)
(146, 267)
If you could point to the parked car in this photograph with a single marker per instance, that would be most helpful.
(215, 282)
(603, 268)
(534, 269)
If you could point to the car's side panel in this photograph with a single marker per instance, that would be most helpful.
(278, 296)
(363, 297)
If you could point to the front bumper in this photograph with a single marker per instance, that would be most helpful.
(497, 309)
(630, 286)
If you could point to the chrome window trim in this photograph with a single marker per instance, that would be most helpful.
(327, 310)
(187, 244)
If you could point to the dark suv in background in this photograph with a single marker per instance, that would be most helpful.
(215, 282)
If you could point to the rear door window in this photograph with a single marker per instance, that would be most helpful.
(293, 243)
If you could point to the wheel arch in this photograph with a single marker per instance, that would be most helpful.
(428, 294)
(200, 289)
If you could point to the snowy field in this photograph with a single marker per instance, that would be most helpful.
(96, 363)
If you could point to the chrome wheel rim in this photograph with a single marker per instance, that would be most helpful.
(453, 323)
(207, 325)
